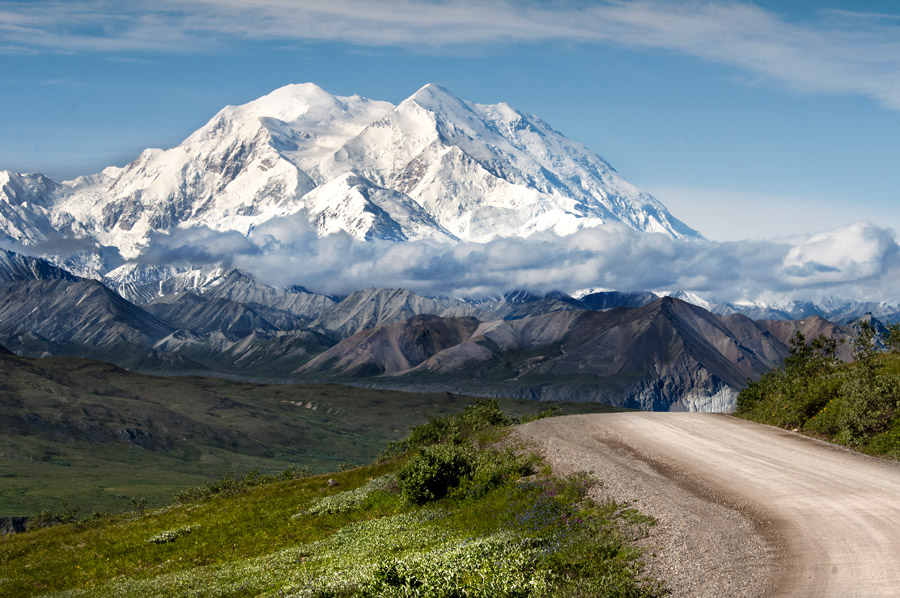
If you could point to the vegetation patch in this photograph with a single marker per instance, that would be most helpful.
(170, 535)
(855, 404)
(102, 437)
(443, 513)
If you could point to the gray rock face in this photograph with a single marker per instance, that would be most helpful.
(76, 311)
(392, 348)
(666, 355)
(18, 267)
(204, 315)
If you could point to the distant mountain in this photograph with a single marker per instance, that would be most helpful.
(602, 300)
(627, 349)
(833, 309)
(18, 267)
(432, 167)
(47, 310)
(373, 307)
(665, 355)
(841, 311)
(80, 311)
(202, 315)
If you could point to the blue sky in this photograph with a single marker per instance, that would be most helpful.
(748, 120)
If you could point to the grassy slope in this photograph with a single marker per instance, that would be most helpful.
(509, 540)
(97, 436)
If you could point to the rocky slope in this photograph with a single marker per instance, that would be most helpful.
(667, 355)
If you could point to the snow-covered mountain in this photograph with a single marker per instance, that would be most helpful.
(432, 167)
(834, 309)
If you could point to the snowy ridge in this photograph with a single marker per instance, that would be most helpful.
(433, 167)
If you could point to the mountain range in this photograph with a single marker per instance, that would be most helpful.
(626, 349)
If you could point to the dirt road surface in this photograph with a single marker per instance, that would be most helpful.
(743, 509)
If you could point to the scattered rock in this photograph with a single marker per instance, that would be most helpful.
(12, 525)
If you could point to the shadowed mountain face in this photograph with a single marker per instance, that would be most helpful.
(810, 327)
(204, 315)
(17, 267)
(392, 348)
(76, 311)
(667, 355)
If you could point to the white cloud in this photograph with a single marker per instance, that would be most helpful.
(860, 261)
(837, 51)
(856, 252)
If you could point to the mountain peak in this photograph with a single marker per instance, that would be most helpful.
(436, 98)
(290, 102)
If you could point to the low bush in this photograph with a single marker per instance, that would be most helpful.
(349, 500)
(436, 470)
(868, 407)
(481, 414)
(228, 485)
(171, 535)
(47, 518)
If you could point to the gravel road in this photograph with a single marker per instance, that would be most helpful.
(743, 509)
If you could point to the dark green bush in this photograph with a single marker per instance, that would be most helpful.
(47, 518)
(552, 411)
(228, 485)
(436, 470)
(869, 406)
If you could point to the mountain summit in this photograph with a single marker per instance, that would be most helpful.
(432, 167)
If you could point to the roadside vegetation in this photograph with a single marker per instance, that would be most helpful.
(854, 404)
(453, 510)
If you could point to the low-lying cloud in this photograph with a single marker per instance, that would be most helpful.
(859, 261)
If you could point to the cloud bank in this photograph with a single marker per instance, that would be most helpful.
(859, 261)
(836, 51)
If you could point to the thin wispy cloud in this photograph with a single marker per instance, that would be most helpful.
(837, 52)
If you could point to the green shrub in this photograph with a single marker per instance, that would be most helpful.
(492, 469)
(869, 406)
(855, 404)
(432, 473)
(47, 518)
(552, 411)
(828, 420)
(480, 415)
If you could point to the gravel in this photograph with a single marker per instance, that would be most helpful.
(705, 544)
